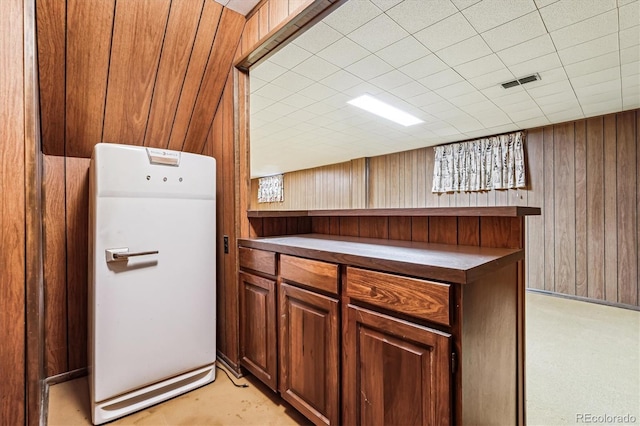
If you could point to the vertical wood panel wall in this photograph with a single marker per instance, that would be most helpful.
(584, 176)
(138, 72)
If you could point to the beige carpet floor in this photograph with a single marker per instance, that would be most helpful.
(583, 359)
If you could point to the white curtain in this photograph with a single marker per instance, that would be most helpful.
(271, 189)
(495, 162)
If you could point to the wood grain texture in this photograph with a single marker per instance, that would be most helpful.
(374, 227)
(535, 225)
(138, 32)
(626, 168)
(549, 211)
(443, 230)
(278, 11)
(264, 25)
(202, 46)
(12, 212)
(257, 260)
(565, 213)
(420, 229)
(428, 300)
(595, 209)
(213, 82)
(184, 16)
(309, 356)
(51, 26)
(55, 266)
(314, 274)
(580, 188)
(89, 29)
(400, 228)
(77, 202)
(610, 209)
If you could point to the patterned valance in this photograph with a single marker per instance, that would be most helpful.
(271, 189)
(495, 162)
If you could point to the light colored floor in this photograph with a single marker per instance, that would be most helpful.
(582, 359)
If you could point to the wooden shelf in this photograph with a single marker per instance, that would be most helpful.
(451, 263)
(505, 211)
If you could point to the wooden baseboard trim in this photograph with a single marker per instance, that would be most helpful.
(231, 367)
(584, 299)
(54, 380)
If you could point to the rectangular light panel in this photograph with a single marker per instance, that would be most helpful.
(374, 106)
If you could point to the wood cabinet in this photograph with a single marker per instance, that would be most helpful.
(395, 372)
(309, 353)
(258, 327)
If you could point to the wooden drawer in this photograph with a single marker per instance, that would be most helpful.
(258, 260)
(419, 298)
(312, 273)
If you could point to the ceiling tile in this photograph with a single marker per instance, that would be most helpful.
(292, 81)
(509, 97)
(281, 109)
(315, 68)
(630, 69)
(630, 82)
(629, 15)
(596, 78)
(378, 33)
(492, 13)
(298, 101)
(343, 53)
(558, 107)
(543, 3)
(468, 99)
(583, 51)
(267, 71)
(629, 37)
(317, 38)
(602, 108)
(549, 76)
(438, 107)
(465, 51)
(341, 80)
(463, 4)
(562, 96)
(526, 114)
(589, 66)
(493, 78)
(623, 2)
(600, 98)
(533, 122)
(385, 5)
(481, 66)
(441, 79)
(606, 86)
(416, 15)
(494, 92)
(485, 107)
(495, 118)
(586, 30)
(353, 14)
(423, 67)
(369, 67)
(255, 83)
(527, 50)
(274, 92)
(403, 52)
(449, 31)
(630, 54)
(543, 63)
(568, 12)
(515, 32)
(363, 88)
(549, 89)
(391, 80)
(290, 57)
(457, 89)
(411, 89)
(427, 98)
(259, 103)
(318, 91)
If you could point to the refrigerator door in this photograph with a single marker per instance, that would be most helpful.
(153, 268)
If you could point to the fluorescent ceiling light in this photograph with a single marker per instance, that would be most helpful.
(373, 105)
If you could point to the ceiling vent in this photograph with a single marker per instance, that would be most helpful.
(521, 80)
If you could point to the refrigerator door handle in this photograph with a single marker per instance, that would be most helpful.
(122, 254)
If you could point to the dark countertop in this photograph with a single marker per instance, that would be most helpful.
(450, 263)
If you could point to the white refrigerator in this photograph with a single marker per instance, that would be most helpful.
(152, 277)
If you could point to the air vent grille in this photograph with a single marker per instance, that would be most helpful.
(521, 80)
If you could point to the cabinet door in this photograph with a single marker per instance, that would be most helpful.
(395, 372)
(258, 347)
(309, 354)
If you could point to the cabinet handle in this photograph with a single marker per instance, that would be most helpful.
(122, 254)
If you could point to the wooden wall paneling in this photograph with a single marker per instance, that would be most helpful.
(256, 227)
(211, 14)
(51, 26)
(374, 227)
(77, 201)
(334, 226)
(320, 225)
(431, 199)
(55, 266)
(580, 188)
(400, 228)
(502, 232)
(627, 208)
(263, 22)
(549, 209)
(275, 226)
(12, 212)
(358, 180)
(138, 32)
(377, 182)
(420, 229)
(468, 231)
(420, 188)
(349, 226)
(329, 188)
(535, 255)
(184, 16)
(251, 33)
(311, 193)
(229, 225)
(565, 213)
(294, 5)
(595, 208)
(89, 40)
(215, 76)
(278, 12)
(443, 230)
(392, 193)
(638, 197)
(610, 210)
